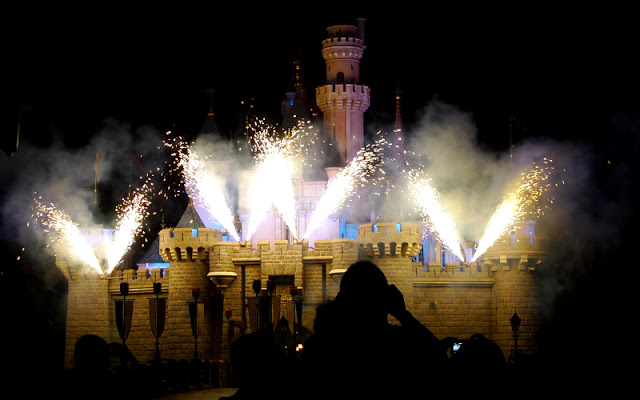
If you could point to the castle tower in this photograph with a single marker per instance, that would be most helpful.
(343, 100)
(391, 246)
(187, 248)
(512, 262)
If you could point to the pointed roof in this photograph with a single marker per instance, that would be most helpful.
(152, 256)
(190, 218)
(210, 123)
(389, 209)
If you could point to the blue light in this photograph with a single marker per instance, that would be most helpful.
(194, 232)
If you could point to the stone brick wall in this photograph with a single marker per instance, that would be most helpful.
(457, 300)
(179, 338)
(515, 291)
(454, 302)
(88, 312)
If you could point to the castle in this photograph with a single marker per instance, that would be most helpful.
(451, 298)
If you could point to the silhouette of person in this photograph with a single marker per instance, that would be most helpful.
(354, 351)
(257, 365)
(91, 376)
(476, 360)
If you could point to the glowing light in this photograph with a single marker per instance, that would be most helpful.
(428, 204)
(522, 201)
(273, 181)
(204, 186)
(67, 234)
(130, 215)
(344, 183)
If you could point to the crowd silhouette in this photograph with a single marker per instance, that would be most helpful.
(353, 353)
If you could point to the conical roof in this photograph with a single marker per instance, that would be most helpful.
(152, 256)
(190, 218)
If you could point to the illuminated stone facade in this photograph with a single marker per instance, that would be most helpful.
(452, 299)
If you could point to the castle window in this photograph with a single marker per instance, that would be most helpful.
(340, 78)
(194, 232)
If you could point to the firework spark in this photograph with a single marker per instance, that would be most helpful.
(131, 213)
(205, 187)
(341, 186)
(68, 233)
(273, 181)
(426, 199)
(523, 200)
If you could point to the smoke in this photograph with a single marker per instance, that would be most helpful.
(471, 179)
(66, 177)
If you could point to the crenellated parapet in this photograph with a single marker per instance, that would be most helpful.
(524, 251)
(187, 244)
(343, 97)
(140, 281)
(390, 239)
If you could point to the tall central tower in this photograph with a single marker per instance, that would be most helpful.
(343, 100)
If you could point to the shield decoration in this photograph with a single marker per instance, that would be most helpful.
(124, 311)
(157, 315)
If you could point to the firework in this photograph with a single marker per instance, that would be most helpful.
(67, 234)
(130, 215)
(205, 187)
(341, 186)
(428, 204)
(523, 200)
(273, 181)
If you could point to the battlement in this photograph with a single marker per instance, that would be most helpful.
(390, 239)
(527, 251)
(140, 281)
(342, 91)
(187, 244)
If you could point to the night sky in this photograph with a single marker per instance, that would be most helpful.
(560, 72)
(567, 74)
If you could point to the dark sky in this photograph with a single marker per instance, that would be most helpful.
(561, 72)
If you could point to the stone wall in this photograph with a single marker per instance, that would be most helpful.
(456, 300)
(88, 312)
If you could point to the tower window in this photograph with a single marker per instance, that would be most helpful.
(340, 77)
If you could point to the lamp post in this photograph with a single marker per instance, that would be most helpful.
(515, 327)
(157, 314)
(124, 312)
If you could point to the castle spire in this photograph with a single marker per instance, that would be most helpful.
(398, 122)
(210, 91)
(398, 137)
(210, 124)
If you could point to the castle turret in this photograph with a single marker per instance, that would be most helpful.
(343, 100)
(186, 249)
(512, 262)
(391, 246)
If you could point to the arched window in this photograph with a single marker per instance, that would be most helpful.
(340, 77)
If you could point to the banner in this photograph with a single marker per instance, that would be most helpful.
(124, 312)
(157, 315)
(253, 313)
(196, 314)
